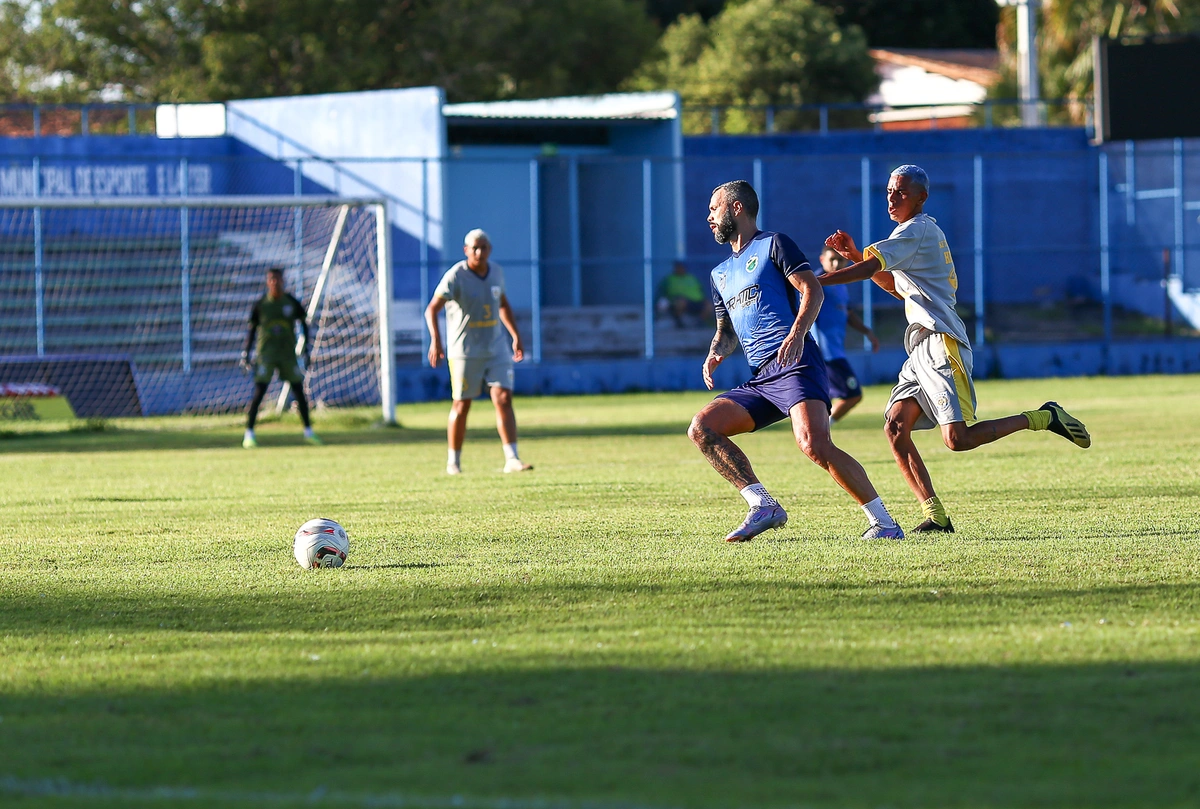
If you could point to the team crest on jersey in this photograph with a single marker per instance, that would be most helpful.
(496, 293)
(752, 264)
(287, 310)
(942, 402)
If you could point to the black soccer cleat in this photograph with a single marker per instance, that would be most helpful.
(1064, 424)
(930, 527)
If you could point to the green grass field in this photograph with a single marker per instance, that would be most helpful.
(580, 636)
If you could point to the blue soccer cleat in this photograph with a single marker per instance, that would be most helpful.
(760, 518)
(877, 531)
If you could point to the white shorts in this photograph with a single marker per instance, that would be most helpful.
(469, 376)
(937, 374)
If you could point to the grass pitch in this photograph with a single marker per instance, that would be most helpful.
(581, 636)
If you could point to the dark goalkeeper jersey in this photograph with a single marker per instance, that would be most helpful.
(752, 290)
(276, 323)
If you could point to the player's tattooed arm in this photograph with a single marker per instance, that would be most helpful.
(724, 343)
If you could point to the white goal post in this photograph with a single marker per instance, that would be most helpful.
(140, 305)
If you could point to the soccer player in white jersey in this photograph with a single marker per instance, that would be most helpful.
(935, 387)
(479, 356)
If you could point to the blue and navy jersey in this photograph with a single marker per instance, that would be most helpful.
(752, 290)
(830, 327)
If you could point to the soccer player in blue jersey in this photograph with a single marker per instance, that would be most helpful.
(830, 331)
(766, 297)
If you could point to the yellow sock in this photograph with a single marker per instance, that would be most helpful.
(1038, 419)
(934, 510)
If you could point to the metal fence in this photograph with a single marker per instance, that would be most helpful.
(122, 118)
(1083, 245)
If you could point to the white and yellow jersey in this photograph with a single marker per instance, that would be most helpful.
(919, 259)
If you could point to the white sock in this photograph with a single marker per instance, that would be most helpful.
(249, 433)
(308, 433)
(454, 457)
(510, 451)
(877, 513)
(756, 494)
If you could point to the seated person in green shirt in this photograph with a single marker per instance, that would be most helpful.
(681, 294)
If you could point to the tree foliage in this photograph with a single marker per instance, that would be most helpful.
(1065, 32)
(192, 50)
(760, 52)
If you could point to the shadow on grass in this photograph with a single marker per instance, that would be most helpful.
(596, 726)
(1078, 735)
(370, 598)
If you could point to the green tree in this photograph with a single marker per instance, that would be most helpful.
(194, 50)
(756, 53)
(1065, 32)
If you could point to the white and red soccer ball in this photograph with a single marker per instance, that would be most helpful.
(321, 543)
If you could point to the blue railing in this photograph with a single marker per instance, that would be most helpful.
(125, 118)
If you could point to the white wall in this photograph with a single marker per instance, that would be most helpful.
(405, 124)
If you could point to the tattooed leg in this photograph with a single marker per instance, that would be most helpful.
(710, 431)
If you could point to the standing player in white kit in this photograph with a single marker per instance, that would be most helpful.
(472, 292)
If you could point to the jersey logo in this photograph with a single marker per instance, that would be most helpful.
(720, 276)
(752, 264)
(744, 298)
(496, 293)
(287, 310)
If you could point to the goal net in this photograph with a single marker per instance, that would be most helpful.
(141, 306)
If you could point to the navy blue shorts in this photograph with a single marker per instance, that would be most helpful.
(843, 383)
(772, 392)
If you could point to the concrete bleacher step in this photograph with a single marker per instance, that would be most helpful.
(612, 331)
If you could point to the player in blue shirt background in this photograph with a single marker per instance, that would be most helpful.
(830, 331)
(766, 297)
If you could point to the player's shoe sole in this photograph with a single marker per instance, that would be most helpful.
(249, 443)
(760, 518)
(516, 465)
(1064, 424)
(930, 527)
(877, 531)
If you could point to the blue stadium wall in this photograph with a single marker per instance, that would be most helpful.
(1040, 199)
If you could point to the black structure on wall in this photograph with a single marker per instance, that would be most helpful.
(1147, 89)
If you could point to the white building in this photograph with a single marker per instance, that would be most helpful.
(931, 88)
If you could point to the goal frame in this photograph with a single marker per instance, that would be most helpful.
(376, 205)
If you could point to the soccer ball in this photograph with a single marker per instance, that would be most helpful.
(321, 543)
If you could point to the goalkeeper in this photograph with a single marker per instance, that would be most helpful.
(274, 319)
